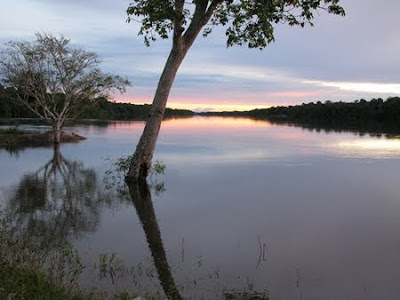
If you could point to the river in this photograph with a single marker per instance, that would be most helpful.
(245, 207)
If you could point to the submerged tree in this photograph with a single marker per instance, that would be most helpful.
(248, 22)
(54, 79)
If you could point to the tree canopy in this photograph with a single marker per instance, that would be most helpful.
(247, 22)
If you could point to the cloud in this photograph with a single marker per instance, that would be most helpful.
(338, 59)
(367, 87)
(235, 72)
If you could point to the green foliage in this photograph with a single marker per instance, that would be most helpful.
(376, 115)
(121, 166)
(157, 19)
(376, 110)
(107, 110)
(13, 130)
(115, 176)
(21, 261)
(9, 139)
(101, 109)
(249, 22)
(10, 107)
(30, 283)
(158, 168)
(33, 269)
(253, 21)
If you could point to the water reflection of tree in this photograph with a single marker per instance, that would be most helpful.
(141, 197)
(361, 128)
(57, 200)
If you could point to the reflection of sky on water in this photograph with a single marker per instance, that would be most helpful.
(370, 147)
(239, 140)
(336, 221)
(326, 206)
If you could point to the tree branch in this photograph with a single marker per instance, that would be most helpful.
(197, 22)
(178, 21)
(210, 10)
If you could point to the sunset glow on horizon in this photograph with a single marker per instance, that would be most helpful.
(207, 106)
(197, 105)
(301, 66)
(223, 100)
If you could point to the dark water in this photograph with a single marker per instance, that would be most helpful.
(248, 208)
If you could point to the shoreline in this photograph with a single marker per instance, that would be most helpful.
(30, 139)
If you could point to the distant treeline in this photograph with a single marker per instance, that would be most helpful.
(107, 110)
(376, 115)
(102, 109)
(376, 110)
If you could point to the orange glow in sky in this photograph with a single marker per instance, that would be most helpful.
(214, 122)
(209, 106)
(225, 101)
(197, 104)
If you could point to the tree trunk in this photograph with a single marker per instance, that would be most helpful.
(57, 157)
(141, 161)
(57, 132)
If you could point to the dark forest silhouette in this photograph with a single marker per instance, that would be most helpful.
(102, 108)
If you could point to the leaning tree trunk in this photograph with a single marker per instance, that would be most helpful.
(141, 161)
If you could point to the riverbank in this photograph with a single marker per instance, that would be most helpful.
(30, 283)
(18, 282)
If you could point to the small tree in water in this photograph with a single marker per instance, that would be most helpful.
(55, 80)
(248, 22)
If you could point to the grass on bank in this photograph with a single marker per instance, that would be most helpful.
(34, 269)
(30, 283)
(13, 130)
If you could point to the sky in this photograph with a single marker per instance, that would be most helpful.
(339, 59)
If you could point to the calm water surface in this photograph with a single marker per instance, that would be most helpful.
(248, 207)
